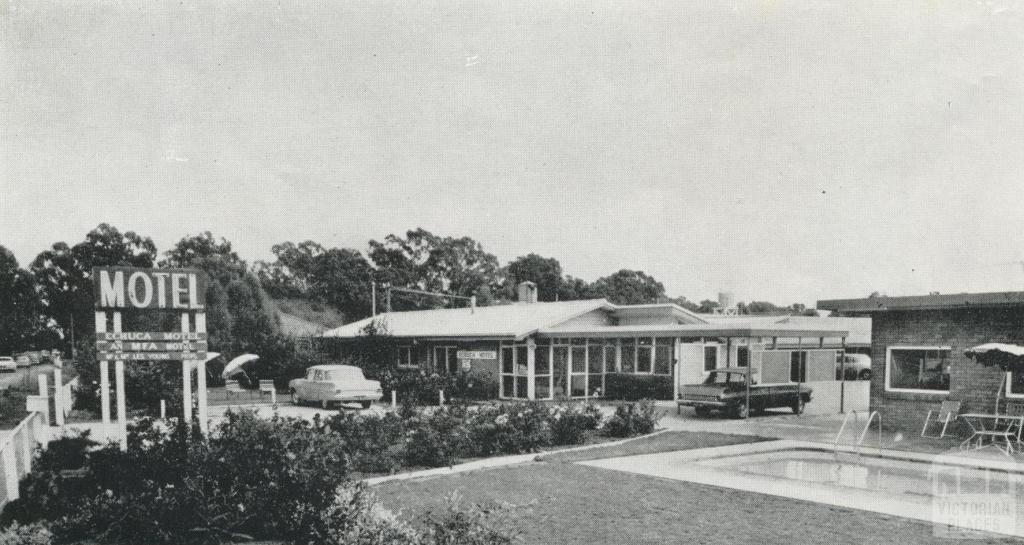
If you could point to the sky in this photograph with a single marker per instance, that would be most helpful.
(782, 151)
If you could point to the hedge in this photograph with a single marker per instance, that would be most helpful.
(629, 387)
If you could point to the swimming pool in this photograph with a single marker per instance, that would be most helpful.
(912, 485)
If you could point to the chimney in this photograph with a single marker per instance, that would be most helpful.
(527, 292)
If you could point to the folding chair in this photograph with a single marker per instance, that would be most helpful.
(1014, 424)
(947, 412)
(233, 388)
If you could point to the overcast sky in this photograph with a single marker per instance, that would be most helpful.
(785, 151)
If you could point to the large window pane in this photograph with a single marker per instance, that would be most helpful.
(609, 357)
(919, 369)
(628, 355)
(542, 386)
(521, 387)
(542, 360)
(594, 385)
(663, 356)
(594, 356)
(579, 385)
(643, 355)
(507, 386)
(522, 365)
(710, 358)
(560, 369)
(507, 364)
(579, 359)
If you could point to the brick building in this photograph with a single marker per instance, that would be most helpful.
(917, 351)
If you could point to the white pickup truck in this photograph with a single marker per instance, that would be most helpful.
(333, 385)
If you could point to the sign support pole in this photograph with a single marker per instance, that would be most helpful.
(101, 327)
(122, 402)
(186, 376)
(201, 378)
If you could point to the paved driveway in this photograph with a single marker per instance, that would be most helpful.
(782, 424)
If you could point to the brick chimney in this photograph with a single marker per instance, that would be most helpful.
(527, 292)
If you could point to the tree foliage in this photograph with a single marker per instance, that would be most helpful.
(627, 287)
(546, 272)
(22, 324)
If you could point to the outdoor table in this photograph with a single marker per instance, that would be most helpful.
(992, 426)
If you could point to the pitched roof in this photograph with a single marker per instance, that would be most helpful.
(514, 321)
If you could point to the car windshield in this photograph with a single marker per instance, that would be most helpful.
(344, 374)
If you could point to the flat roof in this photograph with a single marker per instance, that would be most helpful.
(925, 302)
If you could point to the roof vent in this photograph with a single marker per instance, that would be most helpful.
(527, 292)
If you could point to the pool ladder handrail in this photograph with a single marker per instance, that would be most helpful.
(863, 433)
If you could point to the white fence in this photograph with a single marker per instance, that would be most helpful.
(16, 449)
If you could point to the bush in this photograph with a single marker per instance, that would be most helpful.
(511, 428)
(455, 526)
(29, 534)
(250, 477)
(373, 443)
(436, 439)
(632, 419)
(355, 518)
(629, 387)
(570, 423)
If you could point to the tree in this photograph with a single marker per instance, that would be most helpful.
(341, 277)
(708, 306)
(546, 272)
(425, 261)
(574, 289)
(21, 310)
(627, 287)
(685, 303)
(290, 275)
(64, 274)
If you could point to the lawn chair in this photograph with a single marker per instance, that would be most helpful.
(267, 387)
(1015, 410)
(947, 413)
(233, 388)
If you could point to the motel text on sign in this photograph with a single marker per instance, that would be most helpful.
(130, 287)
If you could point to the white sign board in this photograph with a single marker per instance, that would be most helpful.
(477, 355)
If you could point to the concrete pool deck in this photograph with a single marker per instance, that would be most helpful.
(686, 466)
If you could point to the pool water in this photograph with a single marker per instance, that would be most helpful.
(890, 475)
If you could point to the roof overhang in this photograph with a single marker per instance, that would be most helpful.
(696, 330)
(925, 302)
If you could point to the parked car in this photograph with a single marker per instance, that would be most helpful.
(854, 366)
(725, 391)
(8, 365)
(334, 385)
(23, 360)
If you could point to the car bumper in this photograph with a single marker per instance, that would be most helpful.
(8, 369)
(345, 397)
(702, 403)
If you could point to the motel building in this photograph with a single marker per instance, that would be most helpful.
(569, 349)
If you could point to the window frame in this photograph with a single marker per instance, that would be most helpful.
(888, 370)
(409, 361)
(714, 348)
(1009, 383)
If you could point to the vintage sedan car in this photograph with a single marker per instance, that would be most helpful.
(333, 385)
(8, 365)
(725, 391)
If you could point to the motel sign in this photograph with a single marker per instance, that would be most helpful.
(167, 289)
(182, 291)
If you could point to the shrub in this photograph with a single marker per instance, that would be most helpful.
(249, 478)
(436, 439)
(629, 387)
(355, 518)
(372, 443)
(511, 428)
(570, 423)
(632, 419)
(455, 526)
(29, 534)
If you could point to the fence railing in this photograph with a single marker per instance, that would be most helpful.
(16, 449)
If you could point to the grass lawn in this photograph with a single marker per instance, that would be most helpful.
(664, 442)
(558, 502)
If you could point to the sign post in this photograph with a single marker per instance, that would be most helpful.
(129, 288)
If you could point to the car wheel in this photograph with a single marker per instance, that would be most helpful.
(296, 400)
(702, 412)
(864, 374)
(366, 404)
(741, 410)
(798, 407)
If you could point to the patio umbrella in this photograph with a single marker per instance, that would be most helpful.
(234, 366)
(1007, 357)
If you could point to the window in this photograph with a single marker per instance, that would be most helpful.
(514, 372)
(743, 356)
(663, 353)
(1015, 384)
(643, 355)
(446, 359)
(542, 371)
(628, 355)
(797, 366)
(403, 357)
(710, 358)
(595, 367)
(923, 369)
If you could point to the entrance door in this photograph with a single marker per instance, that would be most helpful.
(446, 359)
(691, 363)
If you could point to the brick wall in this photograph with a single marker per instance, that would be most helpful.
(973, 384)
